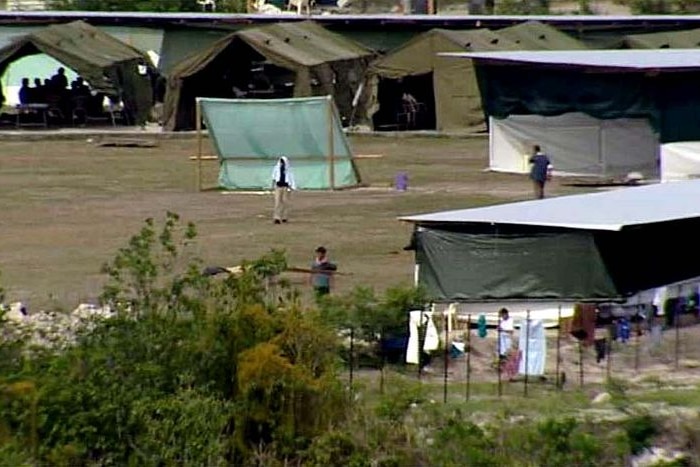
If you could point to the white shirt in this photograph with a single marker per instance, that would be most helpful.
(289, 176)
(506, 325)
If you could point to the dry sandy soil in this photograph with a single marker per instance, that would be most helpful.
(69, 205)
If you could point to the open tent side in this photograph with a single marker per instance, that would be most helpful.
(446, 89)
(250, 135)
(564, 248)
(108, 64)
(305, 59)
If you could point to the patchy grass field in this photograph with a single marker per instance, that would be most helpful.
(68, 206)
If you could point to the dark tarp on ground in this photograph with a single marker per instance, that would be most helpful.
(109, 65)
(306, 49)
(669, 100)
(664, 40)
(456, 92)
(474, 262)
(533, 35)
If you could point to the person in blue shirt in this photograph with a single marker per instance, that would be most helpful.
(540, 170)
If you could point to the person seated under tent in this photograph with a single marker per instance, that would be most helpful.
(38, 92)
(25, 92)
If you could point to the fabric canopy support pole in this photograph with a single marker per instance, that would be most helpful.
(331, 145)
(198, 169)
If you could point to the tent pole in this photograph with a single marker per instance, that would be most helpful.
(558, 380)
(198, 116)
(331, 148)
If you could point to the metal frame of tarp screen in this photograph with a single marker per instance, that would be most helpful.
(250, 135)
(577, 144)
(680, 161)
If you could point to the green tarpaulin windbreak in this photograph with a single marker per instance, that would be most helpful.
(250, 135)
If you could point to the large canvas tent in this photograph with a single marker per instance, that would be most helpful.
(447, 88)
(250, 135)
(689, 39)
(599, 246)
(627, 87)
(109, 65)
(533, 35)
(298, 60)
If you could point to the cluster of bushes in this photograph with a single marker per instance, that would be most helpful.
(233, 370)
(192, 370)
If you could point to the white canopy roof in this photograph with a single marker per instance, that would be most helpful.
(610, 210)
(631, 60)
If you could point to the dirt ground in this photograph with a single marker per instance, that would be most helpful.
(69, 205)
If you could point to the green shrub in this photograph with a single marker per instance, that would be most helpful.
(640, 430)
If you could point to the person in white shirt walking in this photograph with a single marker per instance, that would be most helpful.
(282, 184)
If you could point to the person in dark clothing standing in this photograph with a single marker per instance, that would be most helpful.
(540, 170)
(282, 184)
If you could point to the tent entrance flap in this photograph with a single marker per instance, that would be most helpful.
(406, 103)
(576, 143)
(250, 135)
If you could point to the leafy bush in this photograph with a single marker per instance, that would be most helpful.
(640, 430)
(192, 370)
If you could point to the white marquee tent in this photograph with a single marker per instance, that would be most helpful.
(680, 161)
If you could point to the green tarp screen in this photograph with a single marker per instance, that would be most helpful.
(489, 266)
(249, 135)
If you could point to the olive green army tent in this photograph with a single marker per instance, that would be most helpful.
(664, 40)
(109, 65)
(533, 35)
(281, 60)
(445, 89)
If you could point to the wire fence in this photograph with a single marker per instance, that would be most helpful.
(468, 362)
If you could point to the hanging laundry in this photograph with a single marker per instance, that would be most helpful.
(418, 319)
(659, 300)
(532, 347)
(481, 324)
(623, 330)
(511, 365)
(413, 337)
(656, 333)
(583, 324)
(432, 338)
(601, 347)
